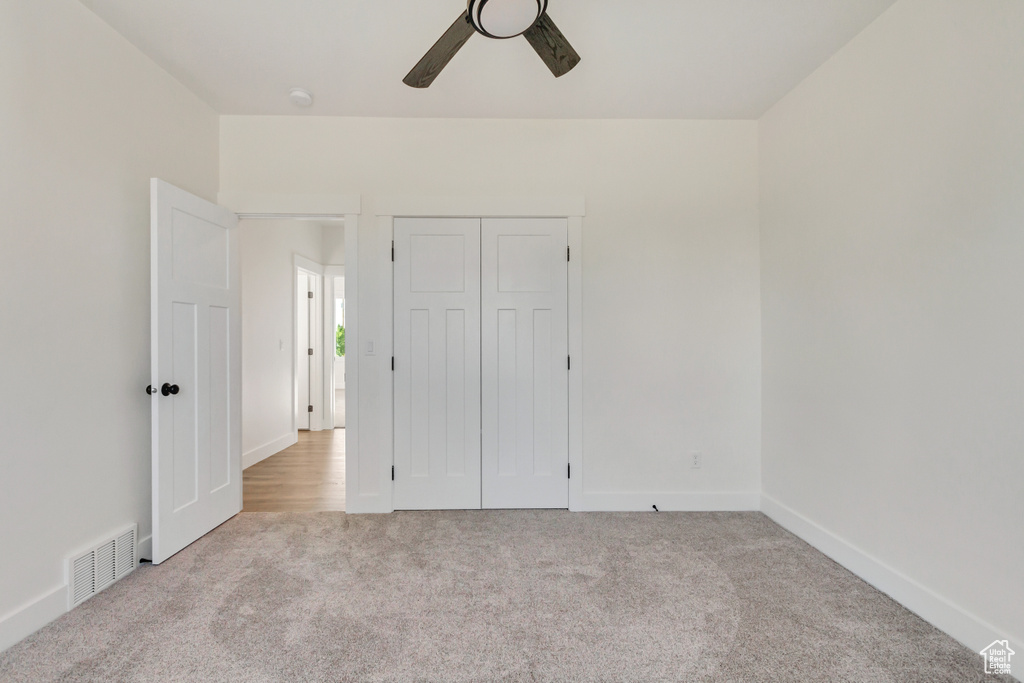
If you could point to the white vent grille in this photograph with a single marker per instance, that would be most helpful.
(95, 569)
(125, 553)
(83, 582)
(105, 565)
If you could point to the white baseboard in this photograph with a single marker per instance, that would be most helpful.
(368, 505)
(268, 449)
(617, 502)
(26, 620)
(146, 548)
(671, 502)
(933, 608)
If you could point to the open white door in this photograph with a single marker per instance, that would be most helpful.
(304, 350)
(196, 368)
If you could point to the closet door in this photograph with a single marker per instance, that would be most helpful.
(437, 363)
(524, 333)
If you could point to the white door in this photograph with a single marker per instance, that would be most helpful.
(524, 292)
(303, 348)
(196, 368)
(437, 363)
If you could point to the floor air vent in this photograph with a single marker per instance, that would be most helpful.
(95, 569)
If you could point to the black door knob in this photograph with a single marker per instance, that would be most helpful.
(168, 389)
(150, 390)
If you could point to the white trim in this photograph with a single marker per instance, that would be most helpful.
(146, 548)
(330, 342)
(295, 348)
(306, 264)
(316, 341)
(301, 206)
(32, 616)
(671, 501)
(268, 449)
(386, 236)
(482, 207)
(575, 306)
(352, 360)
(316, 378)
(930, 606)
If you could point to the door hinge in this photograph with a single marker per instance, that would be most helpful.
(310, 410)
(392, 363)
(392, 251)
(311, 352)
(568, 469)
(567, 258)
(310, 294)
(392, 473)
(568, 362)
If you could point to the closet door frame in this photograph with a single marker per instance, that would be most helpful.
(572, 208)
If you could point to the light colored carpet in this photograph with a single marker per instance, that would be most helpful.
(493, 596)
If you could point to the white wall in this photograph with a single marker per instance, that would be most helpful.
(670, 272)
(85, 121)
(892, 189)
(333, 250)
(268, 249)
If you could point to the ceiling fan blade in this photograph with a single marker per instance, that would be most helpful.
(437, 57)
(552, 46)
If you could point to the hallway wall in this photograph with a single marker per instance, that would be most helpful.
(268, 250)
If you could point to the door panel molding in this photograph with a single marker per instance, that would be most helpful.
(436, 345)
(524, 360)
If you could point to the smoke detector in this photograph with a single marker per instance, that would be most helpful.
(301, 98)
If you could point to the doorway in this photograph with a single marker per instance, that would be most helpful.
(196, 319)
(293, 458)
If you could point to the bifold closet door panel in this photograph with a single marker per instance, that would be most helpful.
(524, 349)
(437, 363)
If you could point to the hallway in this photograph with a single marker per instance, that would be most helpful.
(306, 477)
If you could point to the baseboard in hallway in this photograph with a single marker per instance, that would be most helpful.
(261, 453)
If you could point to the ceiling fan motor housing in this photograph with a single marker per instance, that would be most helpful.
(505, 18)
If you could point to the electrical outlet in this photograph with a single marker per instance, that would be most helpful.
(695, 460)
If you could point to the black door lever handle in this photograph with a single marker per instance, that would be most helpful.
(169, 389)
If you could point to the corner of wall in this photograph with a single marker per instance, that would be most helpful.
(930, 606)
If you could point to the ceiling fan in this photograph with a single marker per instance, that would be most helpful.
(498, 19)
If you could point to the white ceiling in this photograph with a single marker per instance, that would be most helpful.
(689, 59)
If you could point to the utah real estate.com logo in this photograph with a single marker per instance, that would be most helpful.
(997, 657)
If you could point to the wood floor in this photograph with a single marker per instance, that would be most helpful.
(306, 477)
